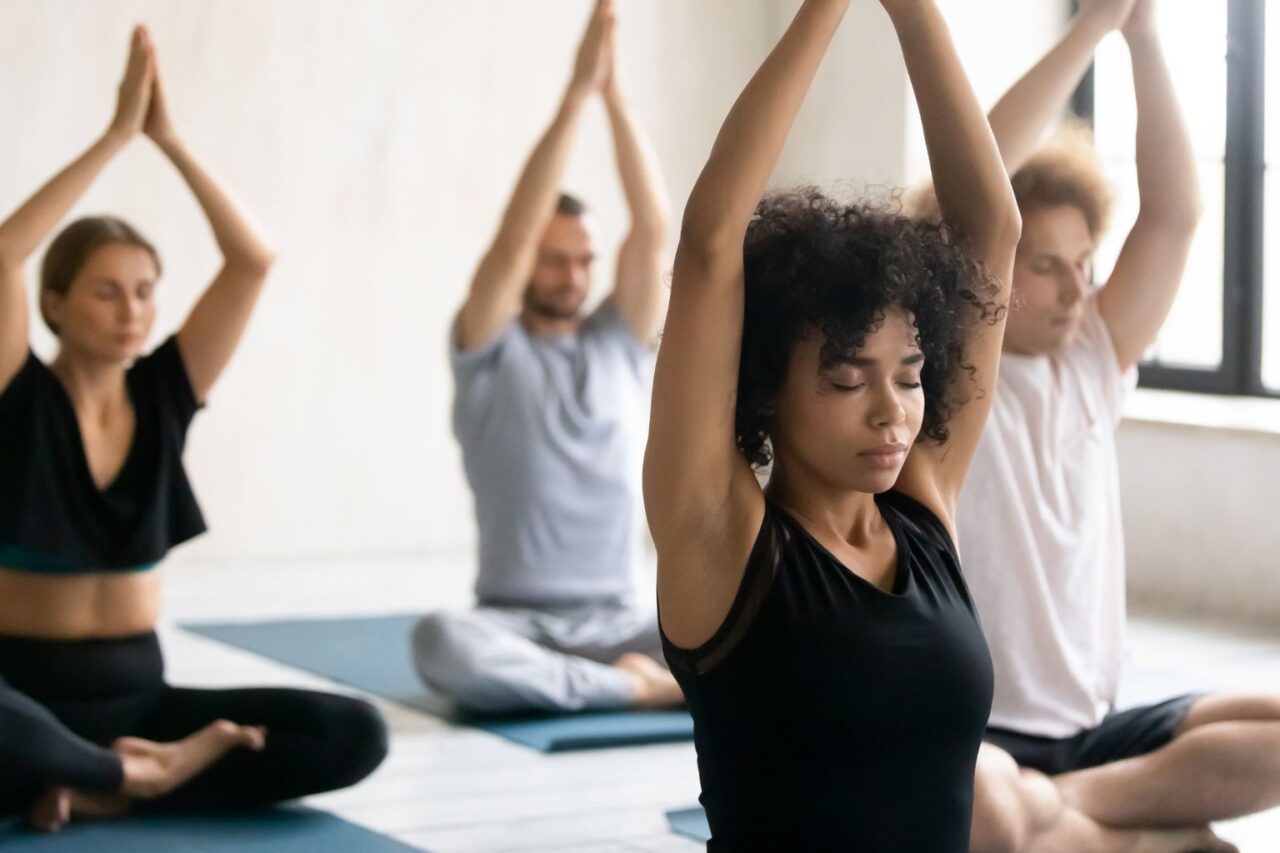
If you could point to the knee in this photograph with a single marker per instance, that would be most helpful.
(361, 739)
(1001, 823)
(441, 652)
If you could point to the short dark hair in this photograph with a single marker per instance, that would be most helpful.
(812, 263)
(570, 205)
(76, 243)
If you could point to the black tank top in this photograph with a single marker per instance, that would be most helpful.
(830, 714)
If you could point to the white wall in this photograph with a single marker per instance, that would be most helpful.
(377, 142)
(1200, 517)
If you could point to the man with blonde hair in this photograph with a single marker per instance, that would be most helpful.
(1039, 519)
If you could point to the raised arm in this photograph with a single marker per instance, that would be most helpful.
(494, 297)
(701, 497)
(31, 223)
(975, 197)
(1020, 119)
(212, 331)
(638, 289)
(1138, 296)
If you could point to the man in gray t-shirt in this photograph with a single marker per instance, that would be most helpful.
(551, 409)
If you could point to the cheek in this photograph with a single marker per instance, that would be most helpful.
(1032, 292)
(914, 405)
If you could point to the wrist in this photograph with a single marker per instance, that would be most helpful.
(908, 16)
(116, 137)
(169, 143)
(576, 94)
(1142, 38)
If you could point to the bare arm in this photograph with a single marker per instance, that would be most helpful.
(1137, 298)
(701, 496)
(494, 297)
(212, 331)
(638, 289)
(974, 196)
(30, 224)
(1020, 119)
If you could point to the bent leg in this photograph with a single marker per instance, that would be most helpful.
(314, 742)
(491, 660)
(38, 752)
(1021, 811)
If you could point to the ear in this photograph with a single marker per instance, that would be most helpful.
(51, 308)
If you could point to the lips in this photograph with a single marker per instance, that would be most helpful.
(885, 456)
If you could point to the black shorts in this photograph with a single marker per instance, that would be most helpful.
(1120, 735)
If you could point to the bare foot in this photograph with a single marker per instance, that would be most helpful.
(154, 769)
(1201, 840)
(52, 811)
(652, 684)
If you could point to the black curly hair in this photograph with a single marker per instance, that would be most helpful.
(815, 263)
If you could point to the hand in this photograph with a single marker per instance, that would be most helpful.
(1108, 15)
(612, 86)
(594, 64)
(1142, 20)
(158, 123)
(134, 96)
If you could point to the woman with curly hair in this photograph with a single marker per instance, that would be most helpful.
(820, 627)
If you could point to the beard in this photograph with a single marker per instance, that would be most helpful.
(553, 307)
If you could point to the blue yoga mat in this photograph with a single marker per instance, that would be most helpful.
(691, 823)
(283, 830)
(372, 654)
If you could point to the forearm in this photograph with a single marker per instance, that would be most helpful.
(969, 176)
(241, 243)
(1167, 178)
(638, 170)
(31, 223)
(533, 200)
(751, 140)
(1020, 119)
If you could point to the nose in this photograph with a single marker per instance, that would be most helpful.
(886, 409)
(1073, 287)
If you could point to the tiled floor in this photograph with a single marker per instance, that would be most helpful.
(448, 789)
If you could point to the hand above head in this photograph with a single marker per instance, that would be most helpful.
(1107, 14)
(134, 96)
(158, 124)
(594, 65)
(1142, 19)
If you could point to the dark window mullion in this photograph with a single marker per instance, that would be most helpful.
(1245, 196)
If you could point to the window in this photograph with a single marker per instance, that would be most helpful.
(1222, 335)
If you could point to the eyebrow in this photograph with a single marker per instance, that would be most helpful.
(859, 361)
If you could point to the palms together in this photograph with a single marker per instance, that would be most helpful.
(142, 105)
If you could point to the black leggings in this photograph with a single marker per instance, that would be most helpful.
(62, 703)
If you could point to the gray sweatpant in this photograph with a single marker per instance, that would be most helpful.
(547, 658)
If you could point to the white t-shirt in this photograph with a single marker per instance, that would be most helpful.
(1041, 537)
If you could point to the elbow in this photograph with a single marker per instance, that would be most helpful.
(707, 236)
(257, 261)
(1003, 230)
(1182, 218)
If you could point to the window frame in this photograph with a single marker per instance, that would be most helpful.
(1243, 274)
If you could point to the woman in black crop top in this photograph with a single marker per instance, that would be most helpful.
(93, 494)
(820, 627)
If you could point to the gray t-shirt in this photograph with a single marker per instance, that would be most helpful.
(552, 434)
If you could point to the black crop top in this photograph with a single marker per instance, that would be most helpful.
(53, 517)
(830, 714)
